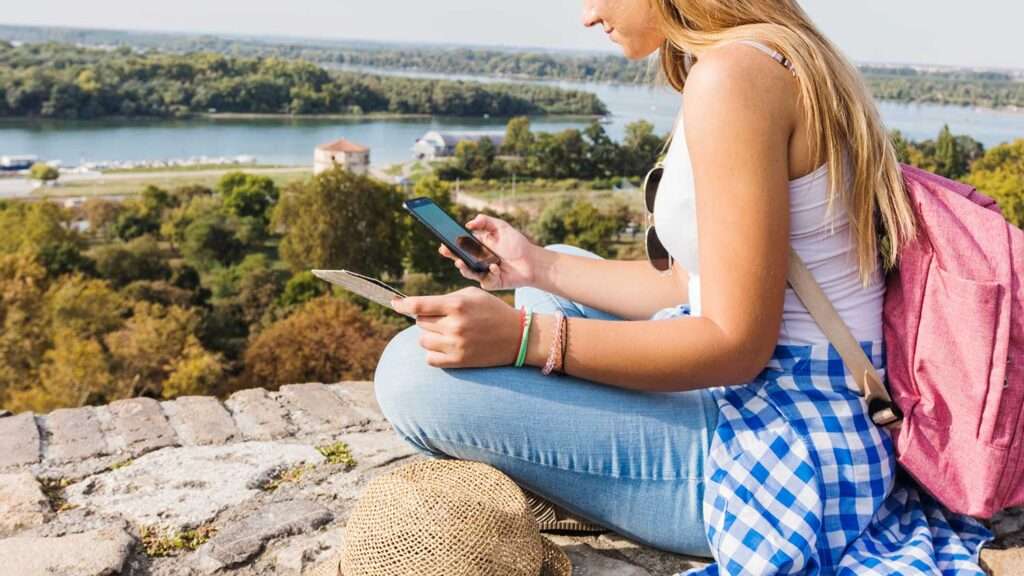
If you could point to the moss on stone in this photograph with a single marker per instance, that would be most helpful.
(337, 453)
(293, 474)
(159, 543)
(53, 489)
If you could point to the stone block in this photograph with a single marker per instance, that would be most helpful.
(315, 408)
(19, 441)
(22, 503)
(1003, 562)
(361, 396)
(183, 488)
(240, 541)
(200, 421)
(300, 554)
(141, 425)
(258, 415)
(587, 562)
(97, 553)
(73, 435)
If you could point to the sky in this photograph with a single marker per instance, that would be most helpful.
(981, 33)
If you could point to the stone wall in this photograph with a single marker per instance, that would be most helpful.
(258, 484)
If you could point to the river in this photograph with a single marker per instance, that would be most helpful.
(291, 140)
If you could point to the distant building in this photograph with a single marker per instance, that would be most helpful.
(350, 156)
(434, 144)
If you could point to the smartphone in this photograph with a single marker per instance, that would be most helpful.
(460, 241)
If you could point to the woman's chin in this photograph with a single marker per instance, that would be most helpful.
(631, 52)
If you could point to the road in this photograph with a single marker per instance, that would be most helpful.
(13, 188)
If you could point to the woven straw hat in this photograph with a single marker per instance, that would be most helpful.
(444, 517)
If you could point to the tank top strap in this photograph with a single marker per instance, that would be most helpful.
(774, 54)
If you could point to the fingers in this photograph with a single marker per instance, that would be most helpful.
(430, 323)
(468, 272)
(484, 223)
(417, 306)
(434, 342)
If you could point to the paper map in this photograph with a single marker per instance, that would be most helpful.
(367, 287)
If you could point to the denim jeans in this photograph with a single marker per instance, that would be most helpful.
(630, 461)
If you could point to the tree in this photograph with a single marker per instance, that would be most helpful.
(248, 195)
(84, 307)
(124, 263)
(144, 351)
(211, 239)
(31, 226)
(136, 219)
(43, 172)
(518, 138)
(950, 160)
(23, 338)
(75, 372)
(579, 223)
(640, 147)
(102, 216)
(341, 220)
(1000, 175)
(302, 288)
(603, 154)
(326, 340)
(196, 371)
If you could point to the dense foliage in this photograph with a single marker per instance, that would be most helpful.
(589, 154)
(204, 291)
(959, 88)
(61, 81)
(903, 84)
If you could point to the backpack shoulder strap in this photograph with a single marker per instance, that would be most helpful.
(871, 387)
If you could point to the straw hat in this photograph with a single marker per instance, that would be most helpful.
(444, 517)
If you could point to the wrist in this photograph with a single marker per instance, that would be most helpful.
(541, 266)
(538, 343)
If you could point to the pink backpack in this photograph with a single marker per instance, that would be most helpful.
(954, 340)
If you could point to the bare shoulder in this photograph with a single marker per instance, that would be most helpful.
(740, 79)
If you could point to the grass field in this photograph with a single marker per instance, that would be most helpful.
(193, 168)
(125, 184)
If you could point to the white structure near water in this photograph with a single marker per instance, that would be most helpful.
(348, 155)
(434, 144)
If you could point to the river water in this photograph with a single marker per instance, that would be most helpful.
(291, 141)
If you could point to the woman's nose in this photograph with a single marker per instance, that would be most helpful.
(590, 16)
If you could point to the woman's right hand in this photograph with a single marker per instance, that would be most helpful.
(515, 250)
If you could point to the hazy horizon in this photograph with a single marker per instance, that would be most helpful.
(909, 32)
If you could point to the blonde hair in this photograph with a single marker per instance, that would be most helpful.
(841, 115)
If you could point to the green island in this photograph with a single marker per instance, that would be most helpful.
(954, 86)
(51, 80)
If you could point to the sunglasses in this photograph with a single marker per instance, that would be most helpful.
(657, 255)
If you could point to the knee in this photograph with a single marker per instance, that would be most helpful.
(401, 382)
(569, 249)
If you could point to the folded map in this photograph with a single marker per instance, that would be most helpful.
(367, 287)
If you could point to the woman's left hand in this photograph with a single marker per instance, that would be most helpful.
(470, 328)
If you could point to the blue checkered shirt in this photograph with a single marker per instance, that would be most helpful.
(798, 480)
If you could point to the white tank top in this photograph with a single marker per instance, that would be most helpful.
(829, 252)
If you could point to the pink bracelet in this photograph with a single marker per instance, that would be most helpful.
(556, 345)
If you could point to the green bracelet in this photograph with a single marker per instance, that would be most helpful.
(521, 359)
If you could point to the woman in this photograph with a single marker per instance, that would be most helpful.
(701, 410)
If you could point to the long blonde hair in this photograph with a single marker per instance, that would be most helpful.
(840, 112)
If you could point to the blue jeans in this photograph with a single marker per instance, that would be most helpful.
(630, 461)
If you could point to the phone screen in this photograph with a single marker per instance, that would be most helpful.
(452, 232)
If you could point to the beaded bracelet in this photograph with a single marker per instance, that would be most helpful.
(554, 356)
(524, 339)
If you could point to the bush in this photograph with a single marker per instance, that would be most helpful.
(43, 172)
(326, 340)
